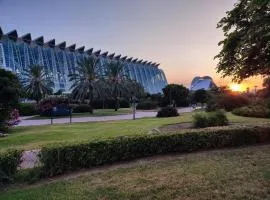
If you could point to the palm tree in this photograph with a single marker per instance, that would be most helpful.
(36, 83)
(117, 80)
(86, 80)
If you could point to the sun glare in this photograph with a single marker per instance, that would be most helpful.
(236, 87)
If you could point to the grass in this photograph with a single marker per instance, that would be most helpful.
(97, 113)
(222, 174)
(37, 136)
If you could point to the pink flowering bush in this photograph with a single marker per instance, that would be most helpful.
(61, 103)
(14, 118)
(51, 101)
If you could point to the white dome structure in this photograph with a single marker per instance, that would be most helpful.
(205, 82)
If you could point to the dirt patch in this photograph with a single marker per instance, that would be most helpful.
(176, 127)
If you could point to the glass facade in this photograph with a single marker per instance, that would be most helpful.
(18, 53)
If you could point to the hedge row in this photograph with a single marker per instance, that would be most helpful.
(253, 111)
(28, 109)
(9, 162)
(60, 159)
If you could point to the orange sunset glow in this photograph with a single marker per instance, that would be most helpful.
(237, 87)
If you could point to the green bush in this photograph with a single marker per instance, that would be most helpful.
(82, 108)
(211, 105)
(110, 104)
(28, 109)
(63, 158)
(168, 112)
(200, 120)
(47, 103)
(217, 118)
(147, 105)
(231, 101)
(9, 162)
(252, 111)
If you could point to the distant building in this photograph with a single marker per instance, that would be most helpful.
(205, 82)
(18, 53)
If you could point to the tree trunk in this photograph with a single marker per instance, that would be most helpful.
(90, 99)
(116, 99)
(116, 104)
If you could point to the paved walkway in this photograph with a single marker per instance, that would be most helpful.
(139, 114)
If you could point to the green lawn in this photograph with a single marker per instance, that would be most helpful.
(37, 136)
(223, 174)
(97, 113)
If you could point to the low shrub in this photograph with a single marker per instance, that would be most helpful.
(61, 102)
(147, 105)
(110, 104)
(168, 112)
(217, 118)
(231, 101)
(211, 106)
(82, 108)
(28, 109)
(252, 111)
(63, 158)
(49, 102)
(9, 162)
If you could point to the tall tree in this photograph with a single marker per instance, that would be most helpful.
(176, 94)
(36, 82)
(86, 80)
(119, 83)
(200, 96)
(9, 92)
(246, 48)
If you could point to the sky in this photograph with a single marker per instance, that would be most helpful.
(181, 35)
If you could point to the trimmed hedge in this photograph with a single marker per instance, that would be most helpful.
(253, 111)
(217, 118)
(63, 158)
(9, 162)
(82, 108)
(28, 109)
(168, 111)
(147, 105)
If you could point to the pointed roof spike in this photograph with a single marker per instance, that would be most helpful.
(124, 58)
(81, 49)
(97, 52)
(13, 35)
(129, 59)
(27, 38)
(89, 51)
(72, 47)
(135, 60)
(117, 57)
(61, 45)
(157, 64)
(140, 61)
(111, 55)
(105, 54)
(39, 41)
(50, 43)
(150, 63)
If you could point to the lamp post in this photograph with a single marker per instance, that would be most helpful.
(70, 115)
(134, 104)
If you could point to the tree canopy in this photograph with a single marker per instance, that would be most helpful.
(177, 93)
(36, 82)
(86, 81)
(9, 93)
(246, 48)
(200, 96)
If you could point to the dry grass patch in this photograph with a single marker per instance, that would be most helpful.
(222, 174)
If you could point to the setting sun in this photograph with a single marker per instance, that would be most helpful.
(237, 87)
